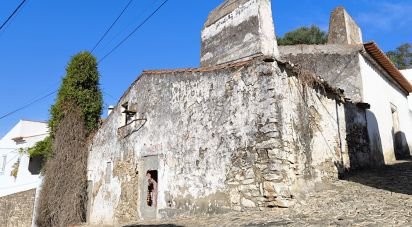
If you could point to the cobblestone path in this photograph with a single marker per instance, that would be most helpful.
(367, 198)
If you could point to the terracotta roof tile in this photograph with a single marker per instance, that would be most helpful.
(202, 69)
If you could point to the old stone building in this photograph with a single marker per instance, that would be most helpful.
(248, 130)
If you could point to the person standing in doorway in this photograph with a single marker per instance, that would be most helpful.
(151, 190)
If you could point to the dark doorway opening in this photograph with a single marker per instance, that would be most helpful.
(400, 144)
(152, 181)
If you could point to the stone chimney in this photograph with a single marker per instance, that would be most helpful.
(238, 30)
(110, 110)
(343, 29)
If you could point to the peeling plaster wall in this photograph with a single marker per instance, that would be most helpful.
(245, 137)
(336, 64)
(237, 30)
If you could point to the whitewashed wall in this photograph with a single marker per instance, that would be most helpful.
(380, 93)
(408, 75)
(33, 132)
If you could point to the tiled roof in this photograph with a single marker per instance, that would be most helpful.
(202, 69)
(377, 54)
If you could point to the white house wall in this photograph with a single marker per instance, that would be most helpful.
(34, 131)
(407, 73)
(380, 93)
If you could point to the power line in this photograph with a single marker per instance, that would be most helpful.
(111, 96)
(141, 13)
(134, 31)
(14, 12)
(29, 104)
(110, 52)
(111, 26)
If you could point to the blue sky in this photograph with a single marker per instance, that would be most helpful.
(39, 41)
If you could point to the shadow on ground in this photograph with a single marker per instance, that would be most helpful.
(395, 178)
(159, 225)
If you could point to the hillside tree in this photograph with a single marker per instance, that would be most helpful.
(402, 56)
(304, 35)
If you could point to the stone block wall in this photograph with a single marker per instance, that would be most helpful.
(16, 210)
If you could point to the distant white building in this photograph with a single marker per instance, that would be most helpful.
(13, 157)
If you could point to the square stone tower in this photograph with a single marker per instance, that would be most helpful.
(238, 30)
(343, 29)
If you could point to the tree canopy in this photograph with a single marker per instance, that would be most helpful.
(402, 56)
(304, 35)
(80, 86)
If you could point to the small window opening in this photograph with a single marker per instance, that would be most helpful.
(3, 164)
(395, 119)
(108, 172)
(19, 140)
(151, 188)
(128, 115)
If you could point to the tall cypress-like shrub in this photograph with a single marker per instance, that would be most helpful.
(74, 118)
(81, 87)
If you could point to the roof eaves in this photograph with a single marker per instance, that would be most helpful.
(202, 69)
(380, 57)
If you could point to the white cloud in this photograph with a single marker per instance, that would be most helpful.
(387, 16)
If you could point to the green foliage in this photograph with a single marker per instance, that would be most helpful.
(42, 148)
(304, 35)
(74, 117)
(80, 86)
(22, 151)
(402, 56)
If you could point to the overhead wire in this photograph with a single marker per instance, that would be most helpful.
(111, 26)
(29, 104)
(98, 43)
(134, 31)
(12, 14)
(141, 13)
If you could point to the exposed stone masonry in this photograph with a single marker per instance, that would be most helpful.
(366, 198)
(16, 210)
(343, 29)
(248, 136)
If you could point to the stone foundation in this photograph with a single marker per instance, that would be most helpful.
(17, 209)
